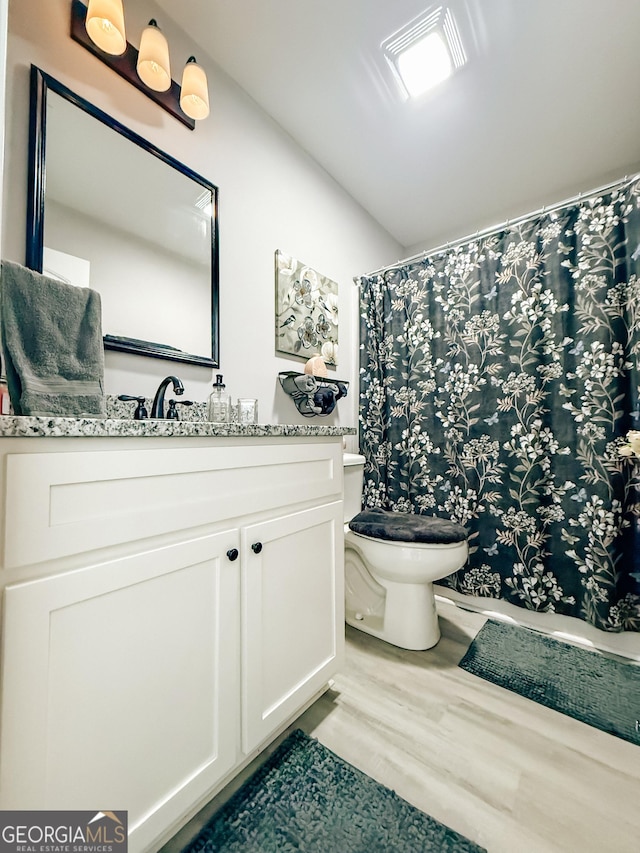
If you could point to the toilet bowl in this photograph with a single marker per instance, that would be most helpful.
(391, 562)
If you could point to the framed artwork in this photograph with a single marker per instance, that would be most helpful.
(306, 311)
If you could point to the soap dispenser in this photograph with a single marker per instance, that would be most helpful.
(219, 403)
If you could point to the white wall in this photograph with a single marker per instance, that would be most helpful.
(272, 196)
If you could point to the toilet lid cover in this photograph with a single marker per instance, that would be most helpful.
(407, 527)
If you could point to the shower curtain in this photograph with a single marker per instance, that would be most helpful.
(498, 380)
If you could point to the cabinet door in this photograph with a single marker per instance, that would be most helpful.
(292, 615)
(120, 685)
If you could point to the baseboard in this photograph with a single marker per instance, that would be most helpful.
(625, 644)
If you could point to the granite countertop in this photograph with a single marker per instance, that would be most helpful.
(12, 426)
(119, 423)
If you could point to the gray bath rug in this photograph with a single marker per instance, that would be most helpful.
(306, 799)
(594, 689)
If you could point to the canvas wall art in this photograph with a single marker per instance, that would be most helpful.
(306, 311)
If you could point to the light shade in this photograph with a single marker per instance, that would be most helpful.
(105, 25)
(194, 94)
(153, 59)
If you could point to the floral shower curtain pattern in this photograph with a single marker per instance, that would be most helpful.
(498, 380)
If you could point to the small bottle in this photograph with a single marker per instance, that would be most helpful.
(5, 400)
(218, 408)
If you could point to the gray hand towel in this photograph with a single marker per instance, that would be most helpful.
(52, 342)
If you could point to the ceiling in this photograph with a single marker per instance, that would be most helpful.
(546, 105)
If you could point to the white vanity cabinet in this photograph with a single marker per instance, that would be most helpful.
(119, 685)
(289, 628)
(169, 606)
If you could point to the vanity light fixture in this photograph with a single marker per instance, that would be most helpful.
(153, 65)
(425, 51)
(100, 29)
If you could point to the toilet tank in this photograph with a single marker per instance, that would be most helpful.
(353, 479)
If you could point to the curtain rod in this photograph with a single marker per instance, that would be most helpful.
(486, 232)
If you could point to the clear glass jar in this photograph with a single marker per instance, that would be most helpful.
(247, 411)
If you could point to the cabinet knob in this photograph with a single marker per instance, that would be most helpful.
(256, 547)
(233, 554)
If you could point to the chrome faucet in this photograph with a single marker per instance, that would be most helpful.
(157, 410)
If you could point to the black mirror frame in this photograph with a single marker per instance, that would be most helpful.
(41, 83)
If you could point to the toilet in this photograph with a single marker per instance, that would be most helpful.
(391, 561)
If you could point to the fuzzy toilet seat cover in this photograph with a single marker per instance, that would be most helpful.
(407, 527)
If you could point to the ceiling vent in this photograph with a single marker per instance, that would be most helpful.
(425, 51)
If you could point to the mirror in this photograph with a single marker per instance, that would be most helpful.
(108, 210)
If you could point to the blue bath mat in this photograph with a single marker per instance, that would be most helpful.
(306, 799)
(582, 684)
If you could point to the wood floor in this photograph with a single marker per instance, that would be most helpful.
(506, 772)
(511, 775)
